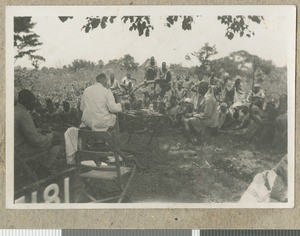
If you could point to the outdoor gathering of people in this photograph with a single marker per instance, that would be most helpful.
(199, 109)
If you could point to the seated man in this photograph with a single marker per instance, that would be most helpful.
(28, 142)
(257, 96)
(187, 85)
(98, 105)
(243, 119)
(200, 88)
(180, 93)
(113, 84)
(175, 82)
(127, 83)
(98, 108)
(225, 117)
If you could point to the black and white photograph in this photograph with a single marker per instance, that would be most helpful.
(150, 106)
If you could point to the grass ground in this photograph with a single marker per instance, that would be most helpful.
(219, 172)
(172, 172)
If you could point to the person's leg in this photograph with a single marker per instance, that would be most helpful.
(40, 159)
(51, 156)
(187, 130)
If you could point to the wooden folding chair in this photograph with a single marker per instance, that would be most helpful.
(91, 175)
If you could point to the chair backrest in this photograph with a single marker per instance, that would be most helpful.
(98, 156)
(84, 135)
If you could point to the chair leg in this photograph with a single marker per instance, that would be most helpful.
(127, 185)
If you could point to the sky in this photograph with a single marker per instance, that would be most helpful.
(65, 42)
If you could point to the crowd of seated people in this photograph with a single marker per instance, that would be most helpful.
(196, 108)
(186, 102)
(222, 104)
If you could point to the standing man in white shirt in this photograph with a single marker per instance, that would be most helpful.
(98, 105)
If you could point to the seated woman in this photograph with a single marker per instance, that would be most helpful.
(199, 121)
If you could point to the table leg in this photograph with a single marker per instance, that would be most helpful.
(130, 132)
(154, 132)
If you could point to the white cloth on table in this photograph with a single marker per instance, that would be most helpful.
(71, 140)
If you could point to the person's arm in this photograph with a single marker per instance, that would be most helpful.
(228, 86)
(263, 95)
(256, 118)
(195, 88)
(249, 97)
(184, 94)
(32, 136)
(117, 85)
(169, 77)
(113, 107)
(82, 104)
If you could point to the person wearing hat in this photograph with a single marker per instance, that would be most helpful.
(257, 96)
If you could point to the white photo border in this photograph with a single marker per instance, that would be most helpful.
(11, 11)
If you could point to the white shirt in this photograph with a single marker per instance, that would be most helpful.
(97, 105)
(126, 81)
(114, 86)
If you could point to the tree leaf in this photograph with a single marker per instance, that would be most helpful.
(63, 18)
(230, 35)
(147, 33)
(103, 24)
(95, 23)
(104, 18)
(87, 28)
(112, 18)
